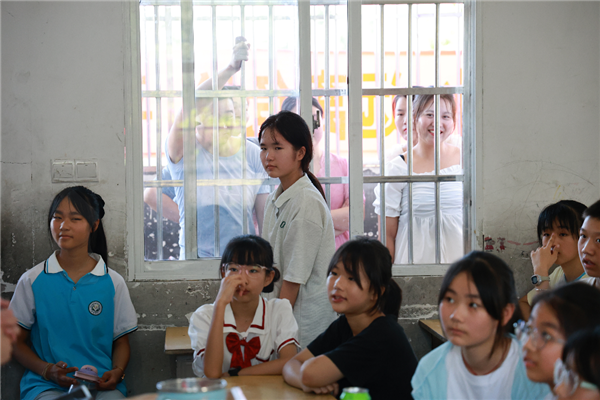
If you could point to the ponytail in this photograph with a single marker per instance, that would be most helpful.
(91, 206)
(316, 183)
(392, 299)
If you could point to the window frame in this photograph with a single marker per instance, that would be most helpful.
(198, 269)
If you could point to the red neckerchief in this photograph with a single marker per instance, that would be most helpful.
(251, 349)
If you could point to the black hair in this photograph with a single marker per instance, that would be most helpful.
(593, 211)
(583, 349)
(566, 213)
(251, 250)
(495, 283)
(91, 207)
(293, 128)
(575, 305)
(290, 103)
(375, 260)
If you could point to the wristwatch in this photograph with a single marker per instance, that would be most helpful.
(234, 371)
(538, 279)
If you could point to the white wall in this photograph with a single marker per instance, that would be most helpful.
(540, 128)
(63, 85)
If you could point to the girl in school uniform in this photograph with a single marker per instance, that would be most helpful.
(297, 222)
(73, 309)
(477, 303)
(365, 347)
(558, 233)
(242, 333)
(556, 315)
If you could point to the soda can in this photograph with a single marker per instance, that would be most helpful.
(355, 393)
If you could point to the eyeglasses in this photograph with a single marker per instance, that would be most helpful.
(524, 332)
(250, 270)
(566, 381)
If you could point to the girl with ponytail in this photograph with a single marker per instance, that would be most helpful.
(297, 222)
(73, 311)
(365, 346)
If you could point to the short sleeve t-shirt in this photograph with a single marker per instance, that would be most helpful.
(272, 328)
(557, 278)
(379, 358)
(72, 322)
(232, 201)
(464, 385)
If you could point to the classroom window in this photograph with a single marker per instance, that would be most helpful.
(194, 200)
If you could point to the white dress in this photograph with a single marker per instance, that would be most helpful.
(451, 204)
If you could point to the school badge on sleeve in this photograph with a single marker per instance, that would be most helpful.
(95, 308)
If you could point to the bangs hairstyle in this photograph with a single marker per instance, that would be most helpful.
(293, 128)
(583, 348)
(593, 211)
(566, 214)
(422, 101)
(375, 260)
(91, 207)
(575, 305)
(251, 250)
(495, 283)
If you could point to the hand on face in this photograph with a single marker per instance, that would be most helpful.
(230, 285)
(544, 257)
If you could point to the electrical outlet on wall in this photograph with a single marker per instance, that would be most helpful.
(63, 171)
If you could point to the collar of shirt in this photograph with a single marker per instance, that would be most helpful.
(258, 323)
(281, 196)
(53, 267)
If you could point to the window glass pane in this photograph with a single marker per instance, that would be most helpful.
(423, 44)
(451, 44)
(370, 45)
(395, 43)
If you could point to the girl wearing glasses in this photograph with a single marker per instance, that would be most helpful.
(556, 315)
(242, 333)
(481, 360)
(577, 374)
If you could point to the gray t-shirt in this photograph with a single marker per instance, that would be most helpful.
(299, 227)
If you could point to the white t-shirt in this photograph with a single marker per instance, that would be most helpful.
(273, 324)
(299, 227)
(464, 385)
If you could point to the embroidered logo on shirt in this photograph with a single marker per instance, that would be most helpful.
(95, 308)
(282, 224)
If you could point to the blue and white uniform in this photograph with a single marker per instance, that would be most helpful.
(442, 374)
(72, 322)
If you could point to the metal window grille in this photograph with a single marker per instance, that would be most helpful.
(164, 23)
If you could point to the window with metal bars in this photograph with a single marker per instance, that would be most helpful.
(296, 50)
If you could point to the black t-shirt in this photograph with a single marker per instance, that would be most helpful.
(379, 358)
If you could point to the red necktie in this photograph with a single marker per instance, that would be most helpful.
(251, 349)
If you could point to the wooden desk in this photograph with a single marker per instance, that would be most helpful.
(260, 388)
(434, 328)
(177, 341)
(269, 387)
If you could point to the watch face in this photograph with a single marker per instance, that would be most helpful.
(535, 280)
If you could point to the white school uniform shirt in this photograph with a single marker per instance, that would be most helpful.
(273, 324)
(299, 227)
(497, 385)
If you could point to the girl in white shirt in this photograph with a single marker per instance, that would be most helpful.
(242, 333)
(477, 303)
(297, 222)
(451, 193)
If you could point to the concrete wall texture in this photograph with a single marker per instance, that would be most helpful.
(63, 75)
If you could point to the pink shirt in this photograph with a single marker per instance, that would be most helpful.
(339, 193)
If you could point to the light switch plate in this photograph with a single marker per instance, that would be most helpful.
(63, 171)
(86, 170)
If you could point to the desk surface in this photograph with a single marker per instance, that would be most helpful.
(269, 387)
(259, 388)
(177, 340)
(434, 327)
